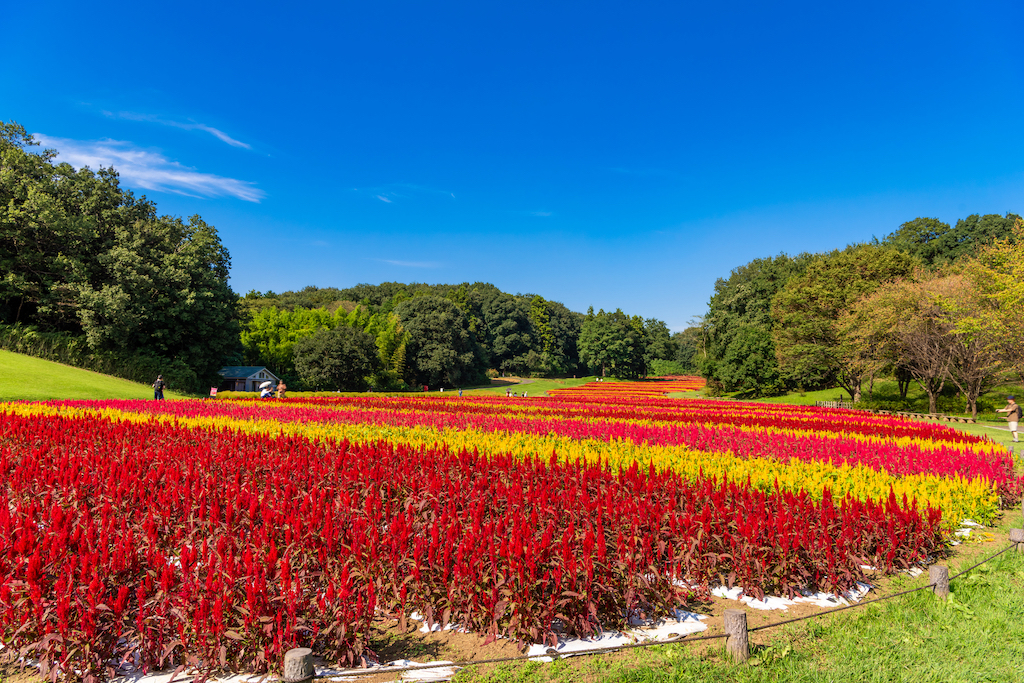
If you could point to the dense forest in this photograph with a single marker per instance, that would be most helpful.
(444, 335)
(929, 303)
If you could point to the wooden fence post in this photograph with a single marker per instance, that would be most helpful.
(1017, 536)
(736, 643)
(939, 575)
(298, 665)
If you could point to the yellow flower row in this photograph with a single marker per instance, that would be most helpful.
(958, 497)
(522, 412)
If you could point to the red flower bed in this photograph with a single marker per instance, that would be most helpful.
(171, 543)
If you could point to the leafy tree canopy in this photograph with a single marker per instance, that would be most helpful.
(81, 255)
(613, 343)
(809, 345)
(738, 344)
(341, 358)
(935, 243)
(441, 350)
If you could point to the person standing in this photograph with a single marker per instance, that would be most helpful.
(281, 388)
(1013, 414)
(158, 388)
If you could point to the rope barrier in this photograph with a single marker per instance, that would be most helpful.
(649, 643)
(975, 566)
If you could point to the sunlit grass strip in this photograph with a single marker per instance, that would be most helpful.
(958, 497)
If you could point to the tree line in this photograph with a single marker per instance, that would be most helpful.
(411, 335)
(94, 276)
(929, 303)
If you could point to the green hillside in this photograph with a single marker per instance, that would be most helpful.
(27, 378)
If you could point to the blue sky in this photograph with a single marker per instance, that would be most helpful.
(620, 155)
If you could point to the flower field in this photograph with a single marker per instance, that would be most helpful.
(223, 533)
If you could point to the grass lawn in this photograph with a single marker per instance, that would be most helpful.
(532, 387)
(24, 378)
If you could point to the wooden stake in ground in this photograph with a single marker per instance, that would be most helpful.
(939, 576)
(298, 665)
(737, 644)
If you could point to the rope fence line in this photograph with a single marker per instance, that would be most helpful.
(737, 630)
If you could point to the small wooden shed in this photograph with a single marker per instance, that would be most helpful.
(245, 377)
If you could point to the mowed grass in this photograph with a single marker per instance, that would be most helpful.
(24, 378)
(532, 387)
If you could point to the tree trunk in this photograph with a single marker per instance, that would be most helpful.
(903, 379)
(933, 387)
(973, 393)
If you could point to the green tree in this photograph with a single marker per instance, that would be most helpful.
(998, 276)
(923, 238)
(975, 232)
(82, 256)
(660, 344)
(511, 334)
(690, 349)
(899, 325)
(738, 319)
(269, 335)
(342, 358)
(392, 341)
(56, 225)
(749, 362)
(809, 345)
(441, 351)
(165, 289)
(565, 325)
(613, 343)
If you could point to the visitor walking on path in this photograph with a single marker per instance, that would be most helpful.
(1013, 415)
(158, 388)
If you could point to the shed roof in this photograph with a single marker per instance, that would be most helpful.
(239, 371)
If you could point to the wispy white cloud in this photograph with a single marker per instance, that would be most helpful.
(410, 264)
(542, 214)
(189, 125)
(400, 192)
(149, 170)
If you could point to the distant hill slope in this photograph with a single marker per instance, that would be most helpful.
(27, 378)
